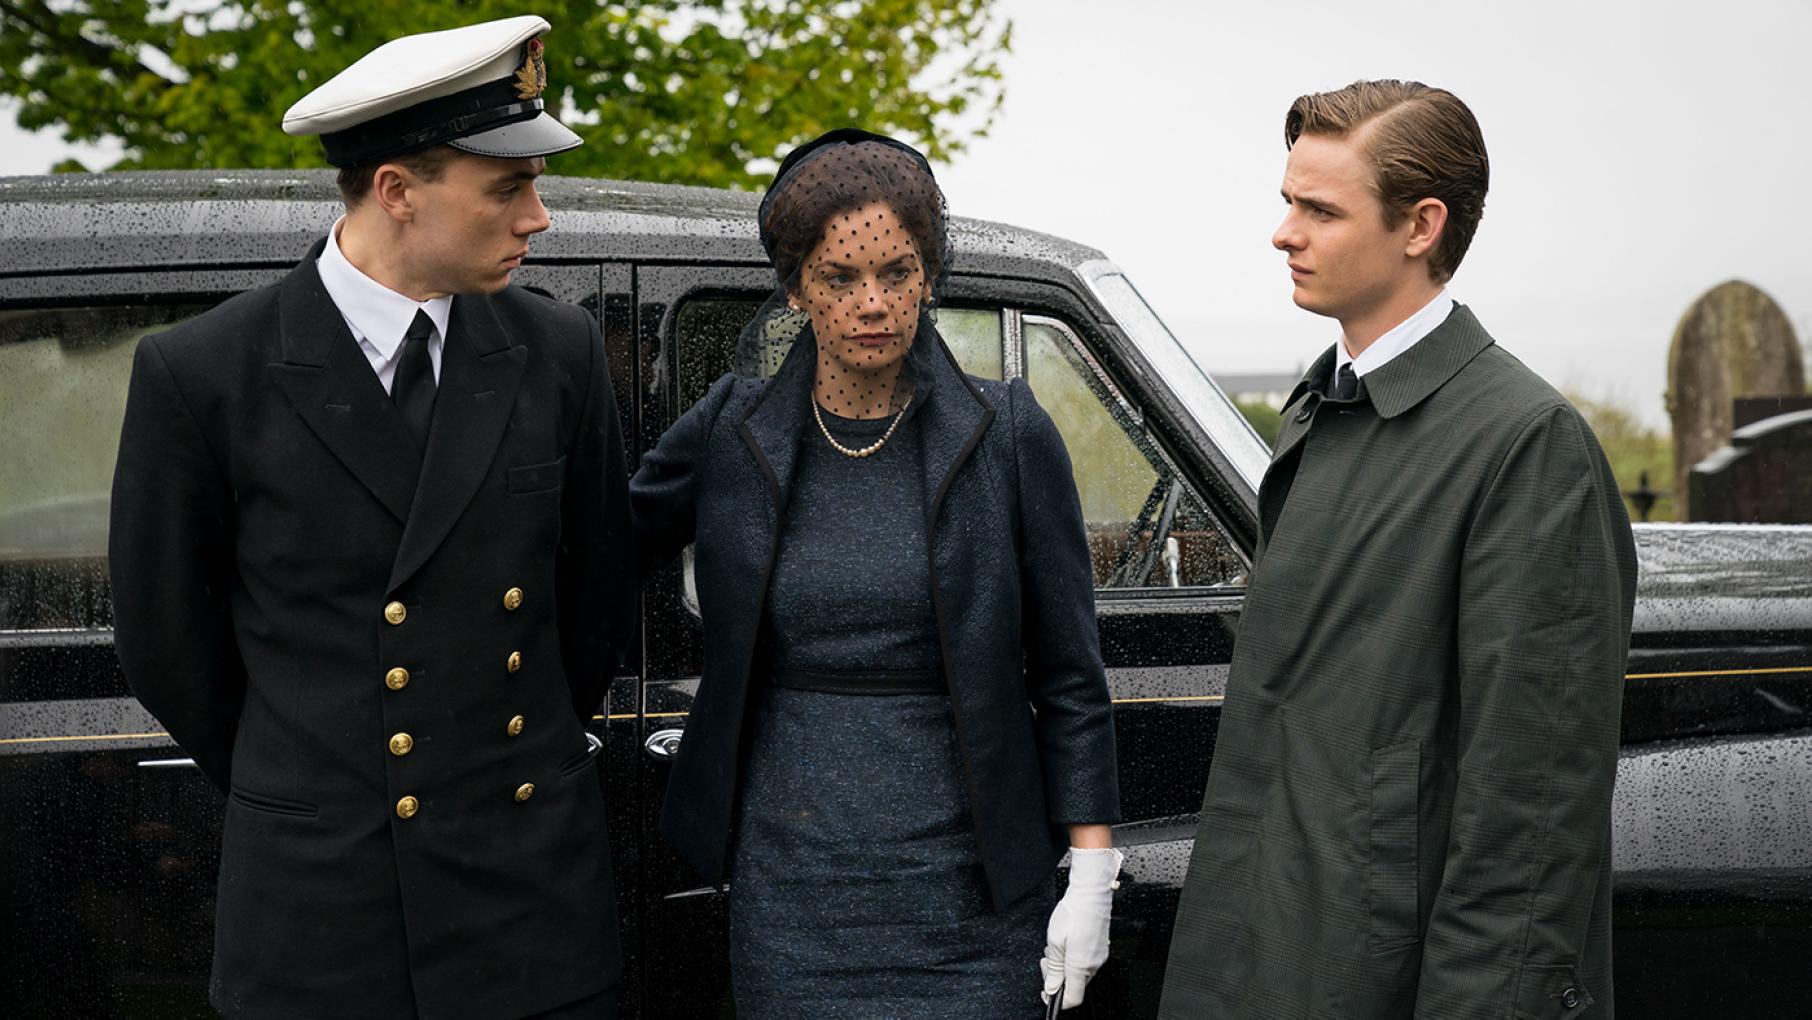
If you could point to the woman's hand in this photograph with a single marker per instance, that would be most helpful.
(1075, 943)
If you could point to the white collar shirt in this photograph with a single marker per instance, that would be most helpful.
(377, 316)
(1400, 338)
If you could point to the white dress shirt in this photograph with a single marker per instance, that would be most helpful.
(1401, 338)
(378, 316)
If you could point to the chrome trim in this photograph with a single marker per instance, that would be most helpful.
(1181, 373)
(689, 583)
(663, 744)
(1196, 600)
(59, 637)
(167, 763)
(1137, 416)
(1012, 344)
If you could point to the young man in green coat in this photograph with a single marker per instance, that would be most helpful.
(1409, 811)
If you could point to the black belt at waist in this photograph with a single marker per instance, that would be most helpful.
(927, 681)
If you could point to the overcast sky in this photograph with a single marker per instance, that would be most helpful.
(1641, 154)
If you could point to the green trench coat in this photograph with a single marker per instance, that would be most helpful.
(1409, 810)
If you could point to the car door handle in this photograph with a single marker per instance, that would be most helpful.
(167, 763)
(663, 744)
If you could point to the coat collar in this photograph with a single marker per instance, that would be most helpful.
(948, 410)
(1413, 376)
(949, 426)
(774, 421)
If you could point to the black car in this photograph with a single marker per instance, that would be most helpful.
(109, 836)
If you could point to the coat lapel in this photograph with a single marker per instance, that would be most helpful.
(772, 426)
(951, 419)
(1298, 418)
(329, 382)
(479, 374)
(1399, 385)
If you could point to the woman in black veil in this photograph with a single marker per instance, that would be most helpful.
(903, 721)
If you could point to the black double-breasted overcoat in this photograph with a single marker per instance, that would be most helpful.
(1012, 591)
(382, 655)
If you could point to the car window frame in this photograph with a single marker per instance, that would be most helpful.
(1145, 441)
(1017, 299)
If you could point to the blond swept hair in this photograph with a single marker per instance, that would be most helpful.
(1421, 142)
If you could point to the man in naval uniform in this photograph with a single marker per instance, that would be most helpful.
(371, 568)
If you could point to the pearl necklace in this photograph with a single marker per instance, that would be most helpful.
(866, 451)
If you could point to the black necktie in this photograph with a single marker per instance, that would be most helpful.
(413, 388)
(1346, 384)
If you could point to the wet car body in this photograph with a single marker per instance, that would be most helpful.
(110, 839)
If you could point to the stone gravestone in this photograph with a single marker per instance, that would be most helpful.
(1733, 342)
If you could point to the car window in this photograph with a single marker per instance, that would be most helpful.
(1147, 528)
(704, 335)
(63, 378)
(974, 337)
(705, 331)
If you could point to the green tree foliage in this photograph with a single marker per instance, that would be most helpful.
(687, 91)
(1265, 419)
(1632, 448)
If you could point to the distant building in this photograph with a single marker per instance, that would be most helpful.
(1270, 388)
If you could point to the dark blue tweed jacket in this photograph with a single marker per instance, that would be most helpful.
(1012, 588)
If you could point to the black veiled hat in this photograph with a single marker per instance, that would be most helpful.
(804, 153)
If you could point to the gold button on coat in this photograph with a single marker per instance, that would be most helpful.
(407, 807)
(401, 744)
(395, 612)
(525, 791)
(515, 726)
(397, 679)
(512, 599)
(514, 662)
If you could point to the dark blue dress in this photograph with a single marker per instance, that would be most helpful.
(855, 887)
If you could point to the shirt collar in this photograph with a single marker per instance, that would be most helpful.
(1407, 381)
(1400, 338)
(378, 315)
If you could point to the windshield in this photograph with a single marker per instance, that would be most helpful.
(1179, 370)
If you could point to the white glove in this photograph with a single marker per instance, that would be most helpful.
(1075, 942)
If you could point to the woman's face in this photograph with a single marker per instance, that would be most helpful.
(863, 286)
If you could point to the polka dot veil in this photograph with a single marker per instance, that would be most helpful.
(855, 226)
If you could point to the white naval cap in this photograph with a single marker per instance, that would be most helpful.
(475, 88)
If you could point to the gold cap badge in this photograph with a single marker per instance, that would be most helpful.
(531, 77)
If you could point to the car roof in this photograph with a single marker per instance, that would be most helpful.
(71, 222)
(1723, 577)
